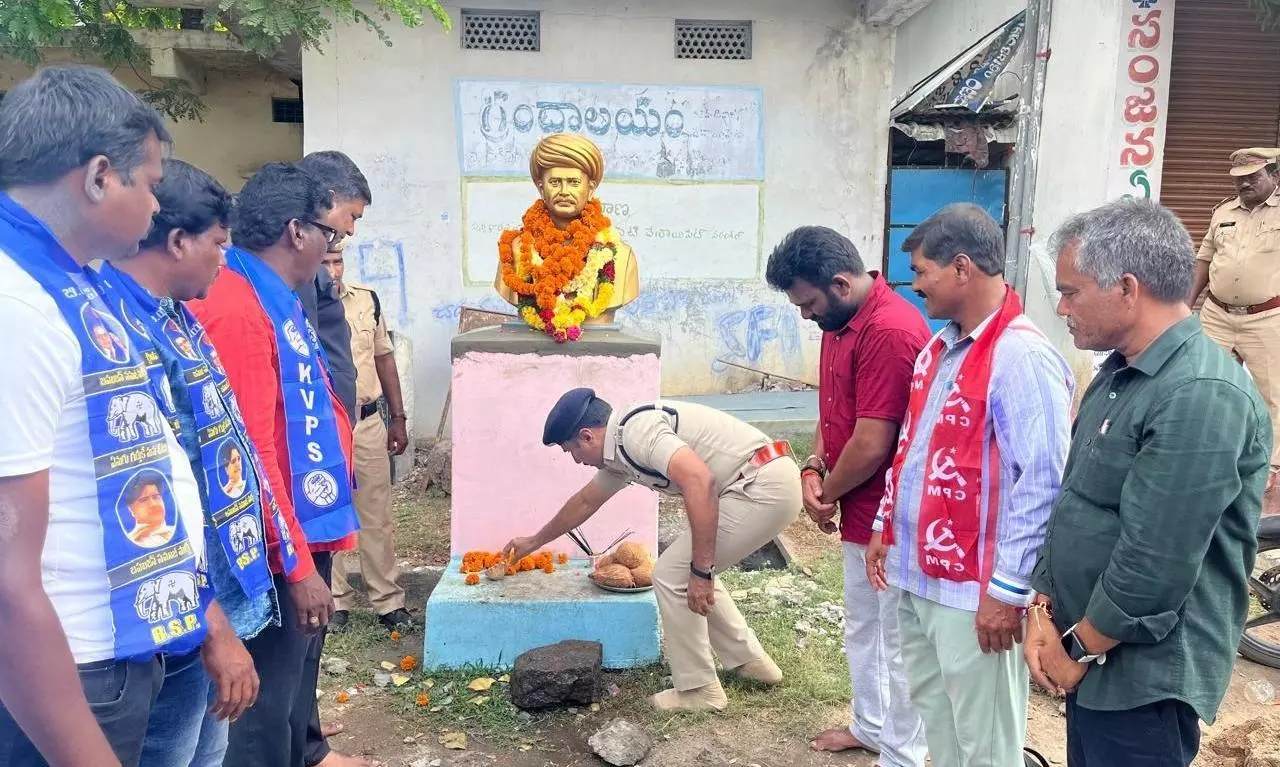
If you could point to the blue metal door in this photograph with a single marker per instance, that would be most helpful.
(917, 193)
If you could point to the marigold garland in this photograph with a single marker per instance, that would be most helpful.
(572, 279)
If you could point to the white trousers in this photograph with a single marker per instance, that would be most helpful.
(883, 715)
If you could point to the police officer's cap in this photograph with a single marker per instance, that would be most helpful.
(563, 420)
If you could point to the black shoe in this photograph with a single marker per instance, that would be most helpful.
(396, 619)
(339, 620)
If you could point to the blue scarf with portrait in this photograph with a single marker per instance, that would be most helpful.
(229, 469)
(158, 589)
(319, 474)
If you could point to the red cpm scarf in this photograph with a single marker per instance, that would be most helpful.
(956, 537)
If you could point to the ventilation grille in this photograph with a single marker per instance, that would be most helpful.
(501, 30)
(286, 111)
(713, 39)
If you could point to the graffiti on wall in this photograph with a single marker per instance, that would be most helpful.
(380, 264)
(645, 131)
(746, 335)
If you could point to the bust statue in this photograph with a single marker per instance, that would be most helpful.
(566, 266)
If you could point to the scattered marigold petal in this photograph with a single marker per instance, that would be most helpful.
(408, 663)
(472, 579)
(343, 697)
(563, 559)
(423, 699)
(395, 636)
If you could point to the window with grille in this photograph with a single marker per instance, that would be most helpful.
(501, 30)
(286, 111)
(713, 39)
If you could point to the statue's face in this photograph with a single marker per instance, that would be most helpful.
(566, 192)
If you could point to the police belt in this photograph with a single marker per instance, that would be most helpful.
(1265, 306)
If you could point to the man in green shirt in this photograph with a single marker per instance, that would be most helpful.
(1142, 581)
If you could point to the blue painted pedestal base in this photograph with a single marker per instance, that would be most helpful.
(491, 623)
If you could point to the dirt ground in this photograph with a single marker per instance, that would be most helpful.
(382, 726)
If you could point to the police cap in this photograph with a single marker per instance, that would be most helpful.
(565, 415)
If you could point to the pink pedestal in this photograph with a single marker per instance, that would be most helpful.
(506, 483)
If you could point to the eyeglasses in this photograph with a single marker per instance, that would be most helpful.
(331, 235)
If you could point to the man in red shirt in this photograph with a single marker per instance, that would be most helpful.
(870, 340)
(276, 369)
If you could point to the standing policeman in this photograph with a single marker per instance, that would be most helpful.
(740, 489)
(1240, 262)
(376, 376)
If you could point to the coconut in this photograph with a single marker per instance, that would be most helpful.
(643, 575)
(615, 575)
(631, 555)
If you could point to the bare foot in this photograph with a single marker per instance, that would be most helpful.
(835, 740)
(329, 730)
(334, 759)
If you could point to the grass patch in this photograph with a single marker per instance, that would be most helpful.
(774, 602)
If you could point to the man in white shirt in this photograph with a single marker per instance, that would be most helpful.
(84, 609)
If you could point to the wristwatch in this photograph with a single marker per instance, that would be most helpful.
(710, 575)
(1077, 651)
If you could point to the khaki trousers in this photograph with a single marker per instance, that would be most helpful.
(751, 514)
(376, 541)
(1255, 339)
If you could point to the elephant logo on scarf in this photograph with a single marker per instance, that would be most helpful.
(211, 401)
(132, 415)
(159, 598)
(295, 339)
(244, 533)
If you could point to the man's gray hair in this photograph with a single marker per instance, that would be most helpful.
(1131, 236)
(62, 117)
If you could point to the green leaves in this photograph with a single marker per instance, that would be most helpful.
(101, 31)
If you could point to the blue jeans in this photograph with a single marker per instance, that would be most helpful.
(120, 695)
(181, 732)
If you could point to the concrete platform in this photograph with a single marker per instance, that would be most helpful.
(780, 414)
(491, 623)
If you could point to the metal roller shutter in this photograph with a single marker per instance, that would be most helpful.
(1224, 94)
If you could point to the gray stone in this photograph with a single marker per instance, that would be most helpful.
(563, 674)
(437, 464)
(621, 743)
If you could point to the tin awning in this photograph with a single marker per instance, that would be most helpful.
(983, 78)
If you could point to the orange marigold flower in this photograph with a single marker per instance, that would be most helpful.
(343, 697)
(472, 579)
(563, 559)
(408, 663)
(548, 568)
(511, 570)
(423, 699)
(395, 636)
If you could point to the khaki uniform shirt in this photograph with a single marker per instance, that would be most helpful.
(1243, 251)
(369, 339)
(651, 437)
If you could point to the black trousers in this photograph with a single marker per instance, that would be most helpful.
(307, 710)
(120, 695)
(1163, 734)
(266, 734)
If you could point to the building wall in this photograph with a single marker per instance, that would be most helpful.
(1082, 157)
(429, 242)
(236, 136)
(940, 32)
